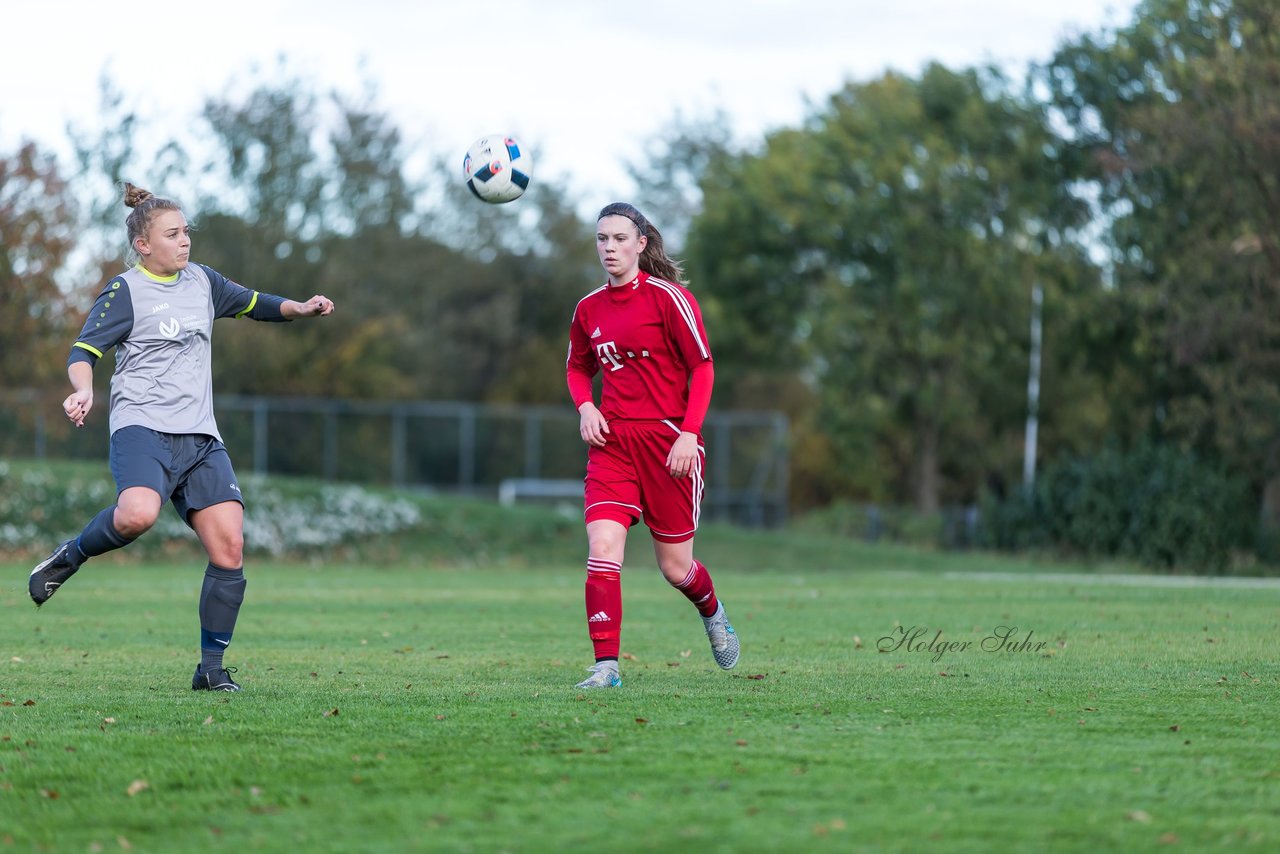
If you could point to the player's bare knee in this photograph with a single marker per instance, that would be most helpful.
(227, 551)
(673, 570)
(605, 549)
(134, 520)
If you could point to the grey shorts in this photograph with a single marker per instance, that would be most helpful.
(191, 470)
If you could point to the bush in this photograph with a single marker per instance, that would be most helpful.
(41, 506)
(1156, 505)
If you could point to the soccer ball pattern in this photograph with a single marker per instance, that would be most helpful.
(497, 169)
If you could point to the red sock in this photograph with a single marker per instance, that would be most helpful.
(604, 606)
(697, 587)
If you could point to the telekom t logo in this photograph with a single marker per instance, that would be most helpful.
(608, 353)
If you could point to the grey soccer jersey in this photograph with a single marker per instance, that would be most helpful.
(162, 331)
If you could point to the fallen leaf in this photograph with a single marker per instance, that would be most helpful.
(685, 653)
(626, 656)
(17, 659)
(124, 844)
(29, 703)
(642, 720)
(1169, 839)
(1175, 728)
(857, 642)
(1139, 816)
(51, 794)
(108, 720)
(1090, 709)
(137, 786)
(208, 720)
(439, 717)
(332, 713)
(741, 743)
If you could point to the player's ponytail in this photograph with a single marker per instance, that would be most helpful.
(145, 206)
(654, 259)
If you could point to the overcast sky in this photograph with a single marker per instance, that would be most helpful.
(582, 83)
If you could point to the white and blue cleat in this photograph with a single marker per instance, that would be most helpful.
(724, 640)
(604, 674)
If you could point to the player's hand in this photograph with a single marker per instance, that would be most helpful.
(592, 426)
(317, 306)
(683, 455)
(77, 406)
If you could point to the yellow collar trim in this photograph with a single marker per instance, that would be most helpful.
(167, 280)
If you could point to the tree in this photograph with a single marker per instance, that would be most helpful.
(670, 175)
(462, 301)
(1179, 113)
(38, 223)
(885, 253)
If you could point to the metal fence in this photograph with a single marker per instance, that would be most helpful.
(465, 448)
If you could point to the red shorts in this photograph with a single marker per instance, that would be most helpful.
(628, 479)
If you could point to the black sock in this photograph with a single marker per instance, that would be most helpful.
(100, 535)
(220, 599)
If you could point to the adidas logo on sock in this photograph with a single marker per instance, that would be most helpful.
(598, 617)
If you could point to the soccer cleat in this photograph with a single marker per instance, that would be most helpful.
(724, 641)
(217, 680)
(603, 675)
(52, 572)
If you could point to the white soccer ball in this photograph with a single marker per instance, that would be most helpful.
(497, 169)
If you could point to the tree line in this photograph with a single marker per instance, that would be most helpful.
(869, 271)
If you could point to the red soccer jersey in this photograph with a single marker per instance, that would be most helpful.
(646, 336)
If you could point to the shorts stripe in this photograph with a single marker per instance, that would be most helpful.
(618, 503)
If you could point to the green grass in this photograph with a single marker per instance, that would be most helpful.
(392, 707)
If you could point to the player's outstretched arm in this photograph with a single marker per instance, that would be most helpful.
(317, 306)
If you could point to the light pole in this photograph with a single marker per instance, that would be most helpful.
(1033, 394)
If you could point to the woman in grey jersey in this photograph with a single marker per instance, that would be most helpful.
(165, 443)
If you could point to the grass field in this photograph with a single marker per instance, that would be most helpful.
(399, 708)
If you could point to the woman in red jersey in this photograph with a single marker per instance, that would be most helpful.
(645, 455)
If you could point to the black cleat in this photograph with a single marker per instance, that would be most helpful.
(216, 680)
(52, 572)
